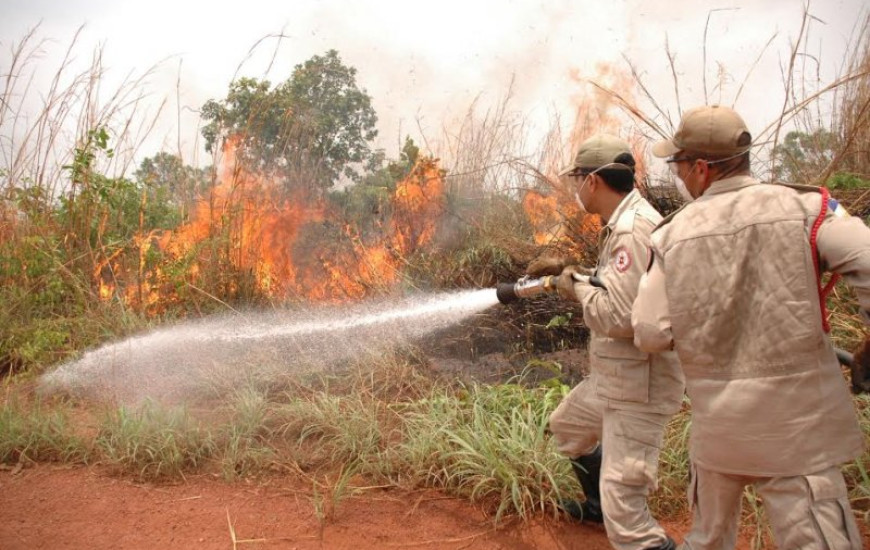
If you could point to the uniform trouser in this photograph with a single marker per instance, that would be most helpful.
(807, 511)
(630, 445)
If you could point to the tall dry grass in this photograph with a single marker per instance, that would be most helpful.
(59, 179)
(39, 142)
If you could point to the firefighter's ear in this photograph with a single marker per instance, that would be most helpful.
(594, 181)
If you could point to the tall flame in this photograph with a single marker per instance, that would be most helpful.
(554, 214)
(292, 243)
(418, 206)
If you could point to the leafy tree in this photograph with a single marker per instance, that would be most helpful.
(312, 129)
(802, 156)
(250, 112)
(366, 204)
(171, 188)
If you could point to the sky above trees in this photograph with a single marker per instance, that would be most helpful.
(424, 65)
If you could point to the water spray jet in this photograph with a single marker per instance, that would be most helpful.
(216, 355)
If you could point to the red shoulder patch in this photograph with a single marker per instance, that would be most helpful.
(621, 259)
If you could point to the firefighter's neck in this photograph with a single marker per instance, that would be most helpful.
(607, 203)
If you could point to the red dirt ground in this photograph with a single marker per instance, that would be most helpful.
(62, 507)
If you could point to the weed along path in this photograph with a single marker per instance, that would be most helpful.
(55, 507)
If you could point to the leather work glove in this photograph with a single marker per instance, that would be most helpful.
(545, 265)
(569, 277)
(860, 368)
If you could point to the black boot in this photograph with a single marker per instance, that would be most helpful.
(587, 468)
(669, 544)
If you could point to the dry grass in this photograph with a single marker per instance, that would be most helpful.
(36, 148)
(841, 106)
(852, 116)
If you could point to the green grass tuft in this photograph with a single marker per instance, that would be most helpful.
(38, 432)
(489, 443)
(153, 442)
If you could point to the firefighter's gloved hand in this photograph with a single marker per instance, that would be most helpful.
(572, 282)
(545, 265)
(861, 368)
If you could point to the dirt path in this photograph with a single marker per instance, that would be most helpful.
(55, 507)
(60, 507)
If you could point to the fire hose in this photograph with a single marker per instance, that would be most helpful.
(528, 287)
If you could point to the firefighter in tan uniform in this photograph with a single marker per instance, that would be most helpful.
(733, 286)
(611, 424)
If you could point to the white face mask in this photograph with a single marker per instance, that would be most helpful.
(681, 185)
(678, 180)
(583, 209)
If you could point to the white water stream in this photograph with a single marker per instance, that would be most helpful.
(216, 355)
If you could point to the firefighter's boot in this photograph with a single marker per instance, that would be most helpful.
(587, 468)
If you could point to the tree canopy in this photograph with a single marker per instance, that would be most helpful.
(312, 129)
(172, 184)
(803, 156)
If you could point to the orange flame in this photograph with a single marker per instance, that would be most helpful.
(557, 221)
(555, 216)
(418, 206)
(293, 244)
(543, 213)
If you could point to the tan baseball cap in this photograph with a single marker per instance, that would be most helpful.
(597, 151)
(712, 129)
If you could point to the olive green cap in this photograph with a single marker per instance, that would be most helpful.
(598, 151)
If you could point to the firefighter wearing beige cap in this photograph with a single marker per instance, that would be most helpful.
(611, 424)
(734, 287)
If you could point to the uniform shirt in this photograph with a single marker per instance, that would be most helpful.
(624, 376)
(732, 288)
